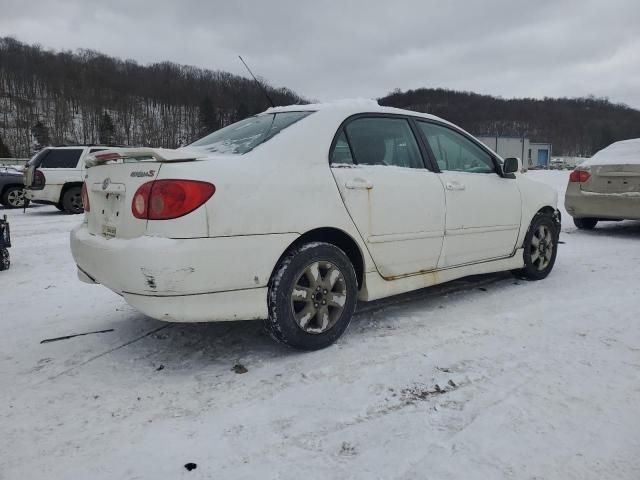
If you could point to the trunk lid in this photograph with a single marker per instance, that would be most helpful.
(110, 189)
(613, 179)
(112, 179)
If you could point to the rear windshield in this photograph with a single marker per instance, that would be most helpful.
(247, 134)
(37, 158)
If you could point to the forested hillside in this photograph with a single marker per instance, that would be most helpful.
(85, 97)
(577, 127)
(51, 97)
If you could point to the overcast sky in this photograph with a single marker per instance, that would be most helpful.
(336, 49)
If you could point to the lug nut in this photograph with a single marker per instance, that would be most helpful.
(324, 302)
(315, 305)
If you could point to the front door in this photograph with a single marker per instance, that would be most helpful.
(483, 208)
(396, 203)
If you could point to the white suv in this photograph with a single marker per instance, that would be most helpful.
(296, 213)
(55, 174)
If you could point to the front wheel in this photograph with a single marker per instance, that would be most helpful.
(312, 296)
(540, 247)
(72, 200)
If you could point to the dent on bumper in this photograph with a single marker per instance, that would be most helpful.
(150, 271)
(249, 304)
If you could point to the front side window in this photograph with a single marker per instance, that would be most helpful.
(245, 135)
(384, 141)
(61, 158)
(454, 152)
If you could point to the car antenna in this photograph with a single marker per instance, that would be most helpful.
(264, 90)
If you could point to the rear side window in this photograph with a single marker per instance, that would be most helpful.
(341, 151)
(384, 141)
(247, 134)
(62, 158)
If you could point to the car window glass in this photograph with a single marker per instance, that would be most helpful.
(454, 152)
(61, 158)
(341, 151)
(93, 150)
(384, 141)
(245, 135)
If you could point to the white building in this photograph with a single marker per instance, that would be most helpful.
(533, 154)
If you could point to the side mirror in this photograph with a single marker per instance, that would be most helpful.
(511, 165)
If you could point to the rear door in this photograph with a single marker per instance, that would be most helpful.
(483, 208)
(395, 202)
(61, 165)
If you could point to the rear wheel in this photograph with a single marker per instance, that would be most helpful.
(13, 197)
(72, 200)
(585, 223)
(540, 247)
(312, 296)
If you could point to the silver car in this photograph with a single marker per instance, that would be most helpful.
(607, 186)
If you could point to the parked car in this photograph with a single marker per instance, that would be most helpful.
(295, 214)
(11, 187)
(606, 186)
(54, 176)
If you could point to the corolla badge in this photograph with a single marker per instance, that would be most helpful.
(105, 183)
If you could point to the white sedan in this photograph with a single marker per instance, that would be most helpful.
(295, 214)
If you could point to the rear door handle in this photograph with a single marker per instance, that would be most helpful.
(358, 184)
(455, 186)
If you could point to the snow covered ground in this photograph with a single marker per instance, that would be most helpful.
(486, 378)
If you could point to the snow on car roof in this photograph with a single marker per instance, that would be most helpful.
(623, 152)
(352, 106)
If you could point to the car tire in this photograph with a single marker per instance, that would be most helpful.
(540, 247)
(13, 197)
(72, 200)
(311, 297)
(585, 223)
(5, 262)
(59, 207)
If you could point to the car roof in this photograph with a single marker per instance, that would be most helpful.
(352, 107)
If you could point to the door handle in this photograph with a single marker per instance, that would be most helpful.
(358, 184)
(455, 186)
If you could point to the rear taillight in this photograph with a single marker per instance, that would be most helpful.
(167, 199)
(85, 197)
(579, 176)
(39, 180)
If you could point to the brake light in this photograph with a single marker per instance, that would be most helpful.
(85, 197)
(167, 199)
(39, 180)
(579, 176)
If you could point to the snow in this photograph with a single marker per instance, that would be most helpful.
(618, 153)
(483, 378)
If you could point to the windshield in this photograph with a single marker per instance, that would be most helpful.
(247, 134)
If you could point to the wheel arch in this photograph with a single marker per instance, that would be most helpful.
(4, 187)
(66, 187)
(336, 237)
(554, 213)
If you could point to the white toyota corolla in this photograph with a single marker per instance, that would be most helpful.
(295, 214)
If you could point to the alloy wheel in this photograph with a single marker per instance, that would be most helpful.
(15, 198)
(318, 297)
(542, 246)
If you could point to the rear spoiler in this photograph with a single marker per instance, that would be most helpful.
(141, 154)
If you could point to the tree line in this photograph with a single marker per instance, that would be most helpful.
(82, 97)
(50, 98)
(575, 126)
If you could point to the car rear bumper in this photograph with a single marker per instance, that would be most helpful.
(184, 280)
(50, 194)
(580, 204)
